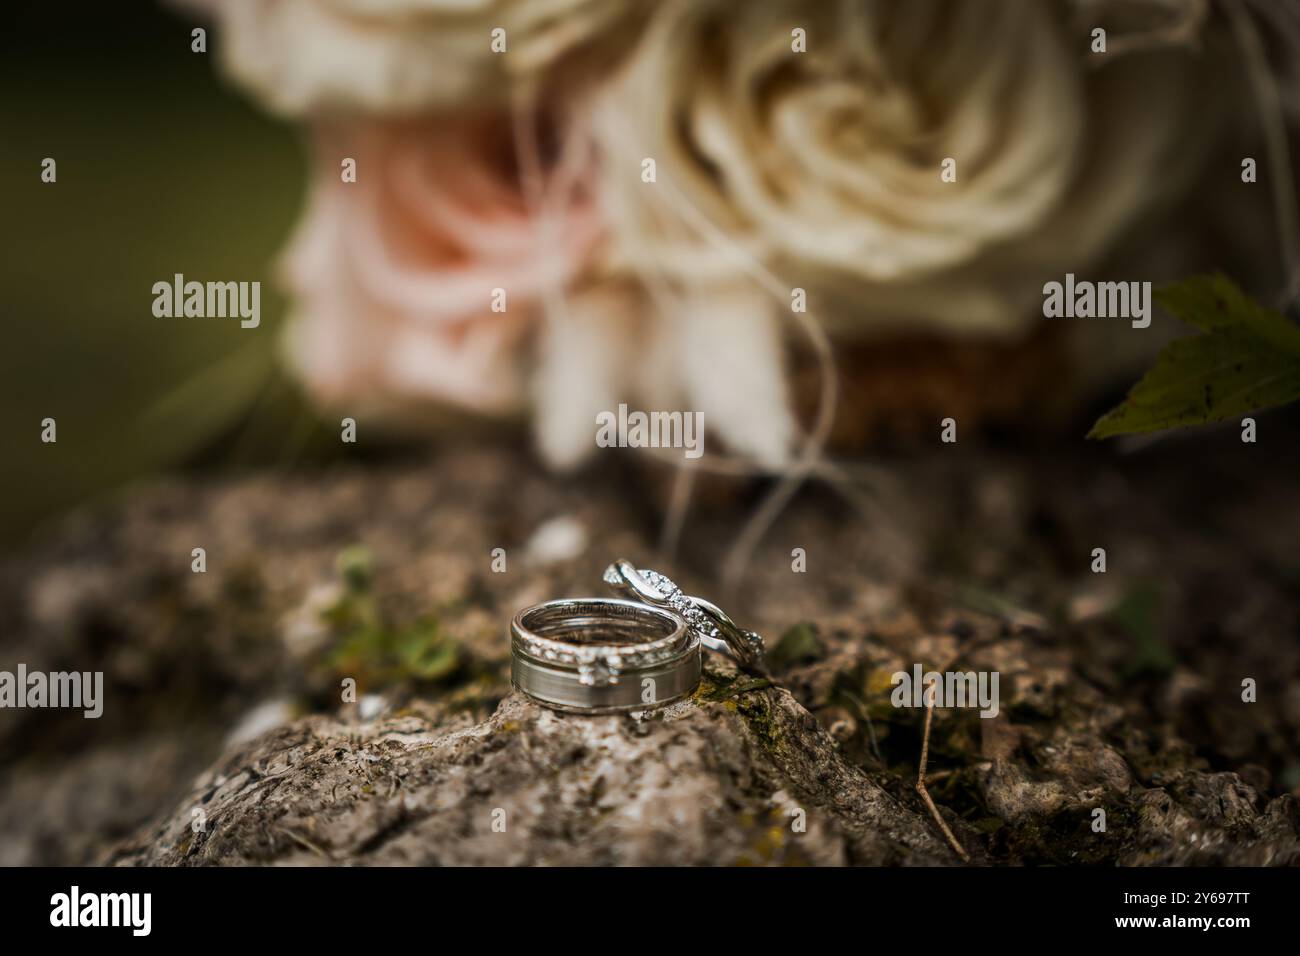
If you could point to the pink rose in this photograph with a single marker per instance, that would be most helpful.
(395, 275)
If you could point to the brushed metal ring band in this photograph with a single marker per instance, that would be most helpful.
(602, 655)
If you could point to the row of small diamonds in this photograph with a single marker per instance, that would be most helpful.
(586, 655)
(680, 603)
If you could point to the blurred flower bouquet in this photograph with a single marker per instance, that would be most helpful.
(554, 206)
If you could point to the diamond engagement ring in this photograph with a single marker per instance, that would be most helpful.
(715, 629)
(635, 652)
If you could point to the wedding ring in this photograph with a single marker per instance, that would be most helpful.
(714, 628)
(603, 655)
(637, 652)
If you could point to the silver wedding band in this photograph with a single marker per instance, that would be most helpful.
(602, 655)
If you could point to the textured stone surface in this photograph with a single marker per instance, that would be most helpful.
(701, 782)
(1118, 691)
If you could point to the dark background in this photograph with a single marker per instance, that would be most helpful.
(161, 169)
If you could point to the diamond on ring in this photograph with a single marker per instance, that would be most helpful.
(709, 623)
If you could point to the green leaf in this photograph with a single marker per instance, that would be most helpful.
(1140, 613)
(1248, 359)
(426, 654)
(797, 645)
(1214, 303)
(357, 568)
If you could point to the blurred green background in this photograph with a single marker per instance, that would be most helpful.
(162, 168)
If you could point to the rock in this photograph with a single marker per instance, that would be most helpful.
(731, 776)
(381, 574)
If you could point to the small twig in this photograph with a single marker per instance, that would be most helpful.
(1273, 125)
(675, 519)
(871, 732)
(866, 716)
(925, 794)
(304, 842)
(1183, 30)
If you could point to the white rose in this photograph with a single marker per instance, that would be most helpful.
(826, 165)
(402, 55)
